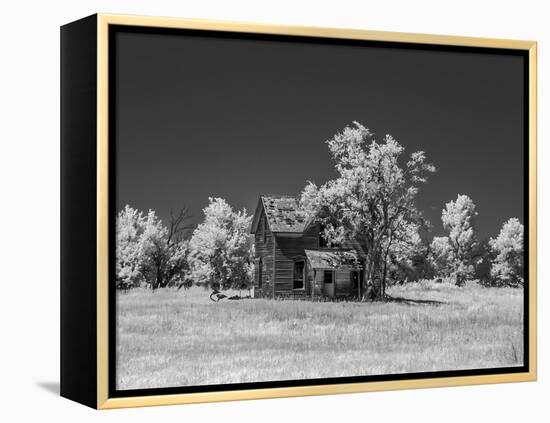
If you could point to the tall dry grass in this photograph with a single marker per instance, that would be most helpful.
(178, 338)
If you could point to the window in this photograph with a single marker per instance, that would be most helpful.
(328, 276)
(264, 230)
(298, 278)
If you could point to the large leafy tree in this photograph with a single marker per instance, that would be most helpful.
(507, 267)
(164, 250)
(149, 252)
(220, 249)
(373, 198)
(457, 254)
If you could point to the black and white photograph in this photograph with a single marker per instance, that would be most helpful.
(302, 210)
(272, 212)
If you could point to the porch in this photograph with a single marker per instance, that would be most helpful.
(333, 273)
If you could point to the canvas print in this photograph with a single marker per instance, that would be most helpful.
(306, 210)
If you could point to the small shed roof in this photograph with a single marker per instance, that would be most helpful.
(283, 214)
(333, 259)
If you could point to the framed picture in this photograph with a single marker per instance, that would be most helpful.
(256, 211)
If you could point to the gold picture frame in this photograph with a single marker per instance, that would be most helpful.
(103, 21)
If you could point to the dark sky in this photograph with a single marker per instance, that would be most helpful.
(199, 117)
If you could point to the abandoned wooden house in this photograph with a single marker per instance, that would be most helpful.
(291, 256)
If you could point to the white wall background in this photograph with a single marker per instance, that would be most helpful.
(29, 240)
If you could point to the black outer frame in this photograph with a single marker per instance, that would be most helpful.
(79, 114)
(79, 211)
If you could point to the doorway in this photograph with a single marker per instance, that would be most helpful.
(328, 283)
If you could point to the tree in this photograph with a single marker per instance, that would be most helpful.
(372, 198)
(507, 267)
(441, 256)
(484, 263)
(147, 251)
(457, 254)
(163, 250)
(407, 259)
(221, 247)
(129, 229)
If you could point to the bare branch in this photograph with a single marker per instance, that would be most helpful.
(179, 225)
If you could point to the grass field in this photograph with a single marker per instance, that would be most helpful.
(177, 338)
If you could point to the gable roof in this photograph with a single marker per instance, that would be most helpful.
(333, 259)
(282, 212)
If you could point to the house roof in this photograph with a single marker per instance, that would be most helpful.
(333, 259)
(283, 214)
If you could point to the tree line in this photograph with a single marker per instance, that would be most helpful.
(218, 253)
(370, 205)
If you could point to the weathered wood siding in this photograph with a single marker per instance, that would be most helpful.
(277, 255)
(264, 252)
(342, 279)
(287, 249)
(343, 282)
